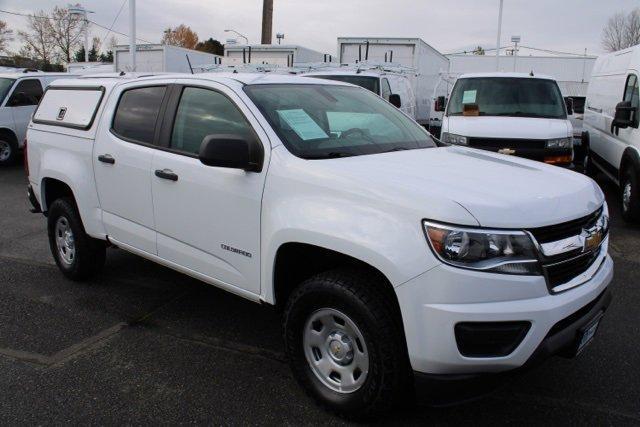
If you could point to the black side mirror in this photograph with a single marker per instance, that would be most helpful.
(395, 100)
(231, 151)
(569, 103)
(441, 103)
(622, 118)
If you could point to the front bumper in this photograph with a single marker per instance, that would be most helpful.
(433, 303)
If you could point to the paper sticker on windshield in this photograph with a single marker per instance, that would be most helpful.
(469, 96)
(302, 124)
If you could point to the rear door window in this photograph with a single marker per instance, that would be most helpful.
(203, 112)
(137, 113)
(27, 92)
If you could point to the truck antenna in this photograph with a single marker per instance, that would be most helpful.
(189, 62)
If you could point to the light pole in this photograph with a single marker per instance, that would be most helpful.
(132, 34)
(246, 40)
(515, 40)
(78, 10)
(498, 40)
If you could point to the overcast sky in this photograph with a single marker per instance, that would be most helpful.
(448, 25)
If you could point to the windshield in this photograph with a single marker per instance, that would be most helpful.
(507, 96)
(367, 82)
(5, 85)
(327, 121)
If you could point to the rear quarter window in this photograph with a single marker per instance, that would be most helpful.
(74, 107)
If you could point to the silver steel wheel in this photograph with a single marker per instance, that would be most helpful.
(65, 241)
(335, 350)
(626, 196)
(5, 151)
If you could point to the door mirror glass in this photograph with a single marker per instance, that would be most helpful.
(395, 100)
(441, 102)
(569, 103)
(230, 151)
(623, 115)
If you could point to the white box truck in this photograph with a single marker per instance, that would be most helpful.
(158, 58)
(273, 54)
(430, 66)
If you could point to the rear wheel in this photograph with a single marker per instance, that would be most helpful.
(8, 152)
(345, 345)
(630, 195)
(78, 255)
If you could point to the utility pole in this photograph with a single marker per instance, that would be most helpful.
(267, 21)
(132, 33)
(498, 40)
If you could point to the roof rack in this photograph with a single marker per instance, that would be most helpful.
(244, 68)
(358, 67)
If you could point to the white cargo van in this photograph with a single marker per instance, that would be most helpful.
(430, 66)
(510, 113)
(611, 119)
(19, 95)
(395, 87)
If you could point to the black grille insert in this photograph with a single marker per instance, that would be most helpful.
(552, 233)
(563, 272)
(498, 143)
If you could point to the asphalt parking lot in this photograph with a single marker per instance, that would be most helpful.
(143, 344)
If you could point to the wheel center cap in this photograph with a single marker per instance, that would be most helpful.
(340, 348)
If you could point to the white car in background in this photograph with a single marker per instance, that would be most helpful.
(612, 119)
(19, 96)
(510, 113)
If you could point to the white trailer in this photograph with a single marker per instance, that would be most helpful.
(158, 58)
(430, 66)
(274, 54)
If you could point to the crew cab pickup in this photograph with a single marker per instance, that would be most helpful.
(394, 259)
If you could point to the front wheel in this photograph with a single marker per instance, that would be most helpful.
(630, 194)
(345, 344)
(78, 255)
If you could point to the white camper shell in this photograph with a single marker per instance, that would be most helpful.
(430, 66)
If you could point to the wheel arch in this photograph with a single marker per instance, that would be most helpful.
(630, 157)
(8, 133)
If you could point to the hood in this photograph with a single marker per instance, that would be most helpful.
(508, 127)
(498, 191)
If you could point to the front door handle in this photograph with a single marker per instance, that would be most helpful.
(106, 158)
(166, 174)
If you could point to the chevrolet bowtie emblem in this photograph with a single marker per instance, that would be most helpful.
(508, 151)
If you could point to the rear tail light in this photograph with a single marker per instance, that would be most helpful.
(25, 157)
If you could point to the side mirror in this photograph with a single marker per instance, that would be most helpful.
(569, 103)
(231, 151)
(622, 118)
(441, 103)
(394, 99)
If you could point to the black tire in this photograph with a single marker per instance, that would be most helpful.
(89, 253)
(12, 147)
(630, 201)
(358, 294)
(588, 168)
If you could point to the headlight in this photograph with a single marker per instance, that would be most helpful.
(499, 251)
(453, 139)
(560, 143)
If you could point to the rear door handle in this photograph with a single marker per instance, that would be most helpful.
(166, 174)
(106, 158)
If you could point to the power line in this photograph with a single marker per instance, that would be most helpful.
(114, 20)
(93, 22)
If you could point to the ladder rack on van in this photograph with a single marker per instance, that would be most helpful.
(244, 68)
(383, 67)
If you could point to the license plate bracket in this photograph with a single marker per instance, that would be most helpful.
(585, 335)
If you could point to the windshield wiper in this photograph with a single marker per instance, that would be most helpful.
(330, 155)
(398, 149)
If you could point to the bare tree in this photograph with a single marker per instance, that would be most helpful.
(5, 34)
(66, 30)
(38, 39)
(622, 31)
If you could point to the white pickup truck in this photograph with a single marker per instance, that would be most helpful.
(395, 260)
